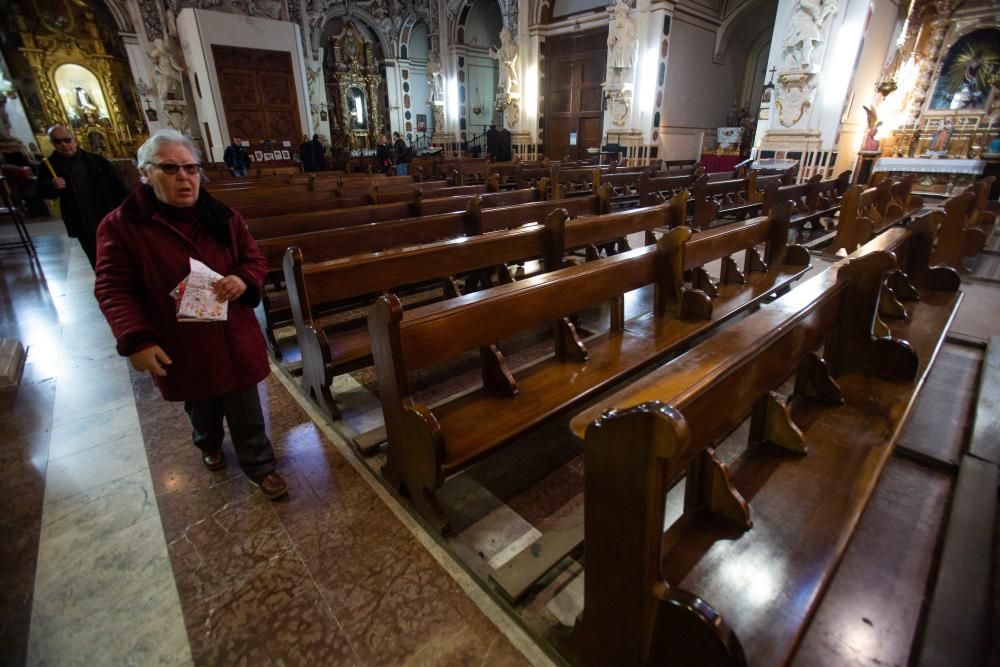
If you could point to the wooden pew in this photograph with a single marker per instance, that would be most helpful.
(867, 213)
(428, 444)
(813, 199)
(329, 243)
(728, 198)
(658, 189)
(328, 353)
(350, 199)
(300, 223)
(756, 546)
(958, 239)
(679, 167)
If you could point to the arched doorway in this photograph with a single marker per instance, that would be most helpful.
(477, 32)
(413, 50)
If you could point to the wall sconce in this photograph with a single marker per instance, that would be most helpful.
(477, 104)
(322, 111)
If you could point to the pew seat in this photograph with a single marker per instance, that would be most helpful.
(428, 444)
(747, 563)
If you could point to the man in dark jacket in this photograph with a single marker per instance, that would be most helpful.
(384, 155)
(402, 152)
(311, 153)
(87, 185)
(237, 158)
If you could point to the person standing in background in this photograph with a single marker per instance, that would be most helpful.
(402, 152)
(237, 158)
(87, 185)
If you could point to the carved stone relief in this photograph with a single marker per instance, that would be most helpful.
(805, 32)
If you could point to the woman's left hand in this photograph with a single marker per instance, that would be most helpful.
(229, 288)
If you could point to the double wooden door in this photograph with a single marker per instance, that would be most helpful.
(575, 68)
(258, 94)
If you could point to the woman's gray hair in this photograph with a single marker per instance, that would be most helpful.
(150, 149)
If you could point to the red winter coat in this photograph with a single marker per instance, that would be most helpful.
(141, 257)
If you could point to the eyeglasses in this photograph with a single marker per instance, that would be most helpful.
(170, 168)
(57, 140)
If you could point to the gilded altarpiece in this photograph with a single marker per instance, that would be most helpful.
(355, 89)
(76, 77)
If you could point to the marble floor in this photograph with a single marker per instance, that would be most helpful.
(119, 547)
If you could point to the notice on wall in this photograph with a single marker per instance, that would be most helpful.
(572, 138)
(286, 143)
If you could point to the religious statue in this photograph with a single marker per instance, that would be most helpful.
(942, 138)
(507, 56)
(169, 75)
(805, 31)
(871, 144)
(621, 39)
(435, 81)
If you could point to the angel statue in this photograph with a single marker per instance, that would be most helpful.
(871, 144)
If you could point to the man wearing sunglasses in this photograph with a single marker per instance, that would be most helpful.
(87, 185)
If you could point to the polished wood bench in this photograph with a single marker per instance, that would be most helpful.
(428, 444)
(736, 579)
(815, 199)
(960, 236)
(419, 206)
(732, 198)
(326, 353)
(658, 189)
(491, 212)
(370, 194)
(865, 213)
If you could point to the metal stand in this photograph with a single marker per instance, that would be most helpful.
(9, 208)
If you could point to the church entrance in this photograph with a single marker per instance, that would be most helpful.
(258, 95)
(573, 98)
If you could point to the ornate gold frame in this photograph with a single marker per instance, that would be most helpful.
(48, 50)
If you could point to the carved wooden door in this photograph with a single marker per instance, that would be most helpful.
(574, 100)
(258, 95)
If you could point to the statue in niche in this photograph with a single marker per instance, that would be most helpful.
(621, 40)
(168, 73)
(435, 80)
(507, 57)
(805, 30)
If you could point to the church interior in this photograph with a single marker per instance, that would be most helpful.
(643, 332)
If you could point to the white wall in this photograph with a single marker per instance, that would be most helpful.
(199, 30)
(697, 92)
(877, 41)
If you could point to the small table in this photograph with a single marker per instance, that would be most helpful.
(935, 176)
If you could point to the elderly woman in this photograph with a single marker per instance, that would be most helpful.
(143, 251)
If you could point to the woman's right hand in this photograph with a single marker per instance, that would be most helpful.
(152, 359)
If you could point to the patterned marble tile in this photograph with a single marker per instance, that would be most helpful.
(92, 430)
(331, 565)
(94, 467)
(133, 630)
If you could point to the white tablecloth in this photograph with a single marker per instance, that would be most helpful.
(929, 166)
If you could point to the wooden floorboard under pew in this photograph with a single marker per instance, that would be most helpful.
(324, 245)
(329, 353)
(427, 445)
(757, 544)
